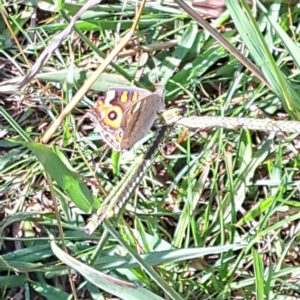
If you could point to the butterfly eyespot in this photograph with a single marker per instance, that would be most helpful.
(112, 115)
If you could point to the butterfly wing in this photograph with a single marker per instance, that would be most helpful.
(139, 118)
(124, 115)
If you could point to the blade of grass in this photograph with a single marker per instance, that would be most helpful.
(259, 50)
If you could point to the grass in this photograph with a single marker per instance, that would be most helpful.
(215, 216)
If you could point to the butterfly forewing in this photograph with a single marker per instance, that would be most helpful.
(125, 97)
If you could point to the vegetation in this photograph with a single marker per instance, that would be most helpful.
(214, 217)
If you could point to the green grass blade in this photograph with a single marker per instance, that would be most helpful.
(117, 287)
(259, 50)
(68, 180)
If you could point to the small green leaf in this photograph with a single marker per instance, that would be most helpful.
(68, 180)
